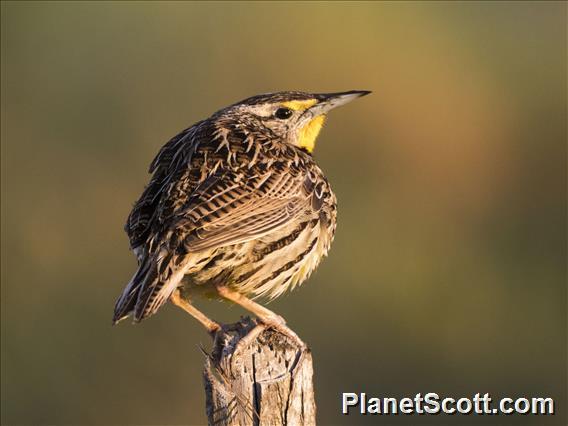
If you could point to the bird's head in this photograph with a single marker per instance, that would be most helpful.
(294, 117)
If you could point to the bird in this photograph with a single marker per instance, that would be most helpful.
(236, 209)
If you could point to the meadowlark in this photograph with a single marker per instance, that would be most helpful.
(236, 208)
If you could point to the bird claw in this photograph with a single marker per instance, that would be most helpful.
(250, 337)
(286, 331)
(275, 321)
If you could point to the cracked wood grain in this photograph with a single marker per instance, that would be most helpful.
(258, 376)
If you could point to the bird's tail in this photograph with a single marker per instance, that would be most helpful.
(150, 287)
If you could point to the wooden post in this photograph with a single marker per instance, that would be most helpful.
(258, 376)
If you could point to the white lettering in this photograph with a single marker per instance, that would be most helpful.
(464, 405)
(349, 400)
(406, 406)
(432, 405)
(374, 406)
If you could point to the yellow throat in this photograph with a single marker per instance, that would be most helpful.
(309, 133)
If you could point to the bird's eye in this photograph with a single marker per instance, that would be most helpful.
(283, 113)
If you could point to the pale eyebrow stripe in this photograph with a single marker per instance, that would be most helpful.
(299, 105)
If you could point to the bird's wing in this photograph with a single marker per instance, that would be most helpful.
(230, 208)
(167, 161)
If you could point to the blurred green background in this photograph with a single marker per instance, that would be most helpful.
(448, 272)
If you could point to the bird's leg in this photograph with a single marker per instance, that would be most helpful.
(211, 326)
(266, 316)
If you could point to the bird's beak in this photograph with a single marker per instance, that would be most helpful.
(328, 101)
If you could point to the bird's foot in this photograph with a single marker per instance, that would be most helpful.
(250, 337)
(286, 331)
(213, 329)
(267, 318)
(278, 324)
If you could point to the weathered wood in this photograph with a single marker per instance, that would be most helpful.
(258, 376)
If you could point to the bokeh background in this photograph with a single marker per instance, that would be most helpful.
(448, 273)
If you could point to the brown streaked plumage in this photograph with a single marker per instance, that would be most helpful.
(236, 207)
